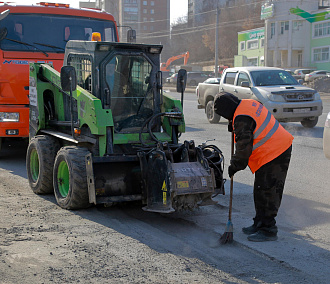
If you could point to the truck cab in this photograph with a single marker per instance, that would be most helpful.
(38, 33)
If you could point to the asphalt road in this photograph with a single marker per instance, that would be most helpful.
(42, 243)
(304, 215)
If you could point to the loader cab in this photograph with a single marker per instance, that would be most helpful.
(129, 86)
(124, 78)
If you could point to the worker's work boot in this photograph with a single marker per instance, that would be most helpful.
(250, 230)
(253, 228)
(264, 234)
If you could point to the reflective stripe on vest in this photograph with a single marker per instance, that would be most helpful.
(270, 139)
(262, 128)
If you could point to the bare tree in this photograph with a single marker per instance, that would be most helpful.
(243, 16)
(235, 16)
(185, 38)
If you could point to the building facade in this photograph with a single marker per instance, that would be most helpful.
(195, 9)
(287, 37)
(198, 10)
(149, 18)
(296, 35)
(155, 21)
(320, 36)
(250, 48)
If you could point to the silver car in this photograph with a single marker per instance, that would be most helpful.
(277, 90)
(316, 74)
(300, 73)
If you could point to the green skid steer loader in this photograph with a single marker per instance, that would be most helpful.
(102, 131)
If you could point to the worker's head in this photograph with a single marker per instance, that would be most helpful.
(225, 105)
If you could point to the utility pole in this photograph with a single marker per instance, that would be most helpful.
(216, 42)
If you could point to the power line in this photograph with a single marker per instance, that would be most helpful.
(188, 30)
(185, 31)
(202, 13)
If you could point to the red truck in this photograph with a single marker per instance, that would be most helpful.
(38, 33)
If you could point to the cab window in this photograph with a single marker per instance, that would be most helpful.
(242, 77)
(83, 65)
(230, 78)
(131, 92)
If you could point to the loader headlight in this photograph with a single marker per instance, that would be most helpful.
(9, 117)
(155, 50)
(104, 47)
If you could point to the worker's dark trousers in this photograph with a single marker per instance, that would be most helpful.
(268, 189)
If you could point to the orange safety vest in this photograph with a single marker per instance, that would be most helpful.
(270, 139)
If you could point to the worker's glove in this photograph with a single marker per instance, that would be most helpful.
(231, 171)
(230, 126)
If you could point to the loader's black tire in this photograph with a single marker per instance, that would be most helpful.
(70, 178)
(210, 114)
(40, 157)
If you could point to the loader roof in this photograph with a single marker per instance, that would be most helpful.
(92, 46)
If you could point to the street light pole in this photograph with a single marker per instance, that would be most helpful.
(216, 42)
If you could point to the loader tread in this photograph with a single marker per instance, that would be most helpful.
(40, 159)
(75, 195)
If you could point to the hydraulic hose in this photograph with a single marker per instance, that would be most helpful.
(176, 115)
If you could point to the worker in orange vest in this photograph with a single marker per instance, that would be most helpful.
(265, 146)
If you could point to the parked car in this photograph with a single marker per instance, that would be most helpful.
(193, 78)
(326, 137)
(291, 72)
(277, 90)
(172, 79)
(207, 91)
(165, 75)
(213, 80)
(316, 74)
(300, 73)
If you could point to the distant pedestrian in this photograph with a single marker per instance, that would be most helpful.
(265, 146)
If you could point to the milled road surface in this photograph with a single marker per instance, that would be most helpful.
(42, 243)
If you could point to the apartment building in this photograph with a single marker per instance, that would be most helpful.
(149, 18)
